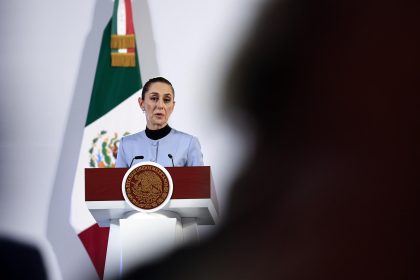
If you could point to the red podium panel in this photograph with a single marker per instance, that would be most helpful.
(193, 195)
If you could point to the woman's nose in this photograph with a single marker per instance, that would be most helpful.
(159, 103)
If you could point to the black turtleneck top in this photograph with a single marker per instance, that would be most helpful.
(158, 133)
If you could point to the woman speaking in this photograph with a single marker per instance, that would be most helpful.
(159, 142)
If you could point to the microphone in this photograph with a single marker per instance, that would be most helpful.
(172, 158)
(136, 157)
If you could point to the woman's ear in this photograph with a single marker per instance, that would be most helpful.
(141, 103)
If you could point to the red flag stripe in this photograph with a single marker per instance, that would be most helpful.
(95, 240)
(129, 21)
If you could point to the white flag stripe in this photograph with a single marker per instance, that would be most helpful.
(121, 22)
(121, 18)
(126, 117)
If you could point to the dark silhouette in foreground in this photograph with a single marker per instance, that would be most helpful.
(330, 190)
(20, 261)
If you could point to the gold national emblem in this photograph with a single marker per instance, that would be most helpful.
(147, 187)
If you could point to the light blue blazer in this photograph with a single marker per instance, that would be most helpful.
(184, 148)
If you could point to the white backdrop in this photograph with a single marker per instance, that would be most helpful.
(48, 58)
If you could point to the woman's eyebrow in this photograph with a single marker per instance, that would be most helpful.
(157, 93)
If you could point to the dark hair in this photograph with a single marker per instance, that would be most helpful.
(155, 80)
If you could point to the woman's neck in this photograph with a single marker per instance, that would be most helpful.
(156, 134)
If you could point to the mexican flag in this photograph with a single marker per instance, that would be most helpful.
(113, 113)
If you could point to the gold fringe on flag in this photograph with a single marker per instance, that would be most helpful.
(123, 41)
(123, 59)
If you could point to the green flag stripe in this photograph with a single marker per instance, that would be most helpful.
(114, 17)
(112, 85)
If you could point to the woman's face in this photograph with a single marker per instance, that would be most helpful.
(158, 104)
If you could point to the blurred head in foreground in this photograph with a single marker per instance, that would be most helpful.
(330, 189)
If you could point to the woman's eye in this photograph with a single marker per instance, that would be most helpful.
(167, 100)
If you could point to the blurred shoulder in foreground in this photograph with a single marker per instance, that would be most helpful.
(20, 261)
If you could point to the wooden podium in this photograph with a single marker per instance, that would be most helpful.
(133, 234)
